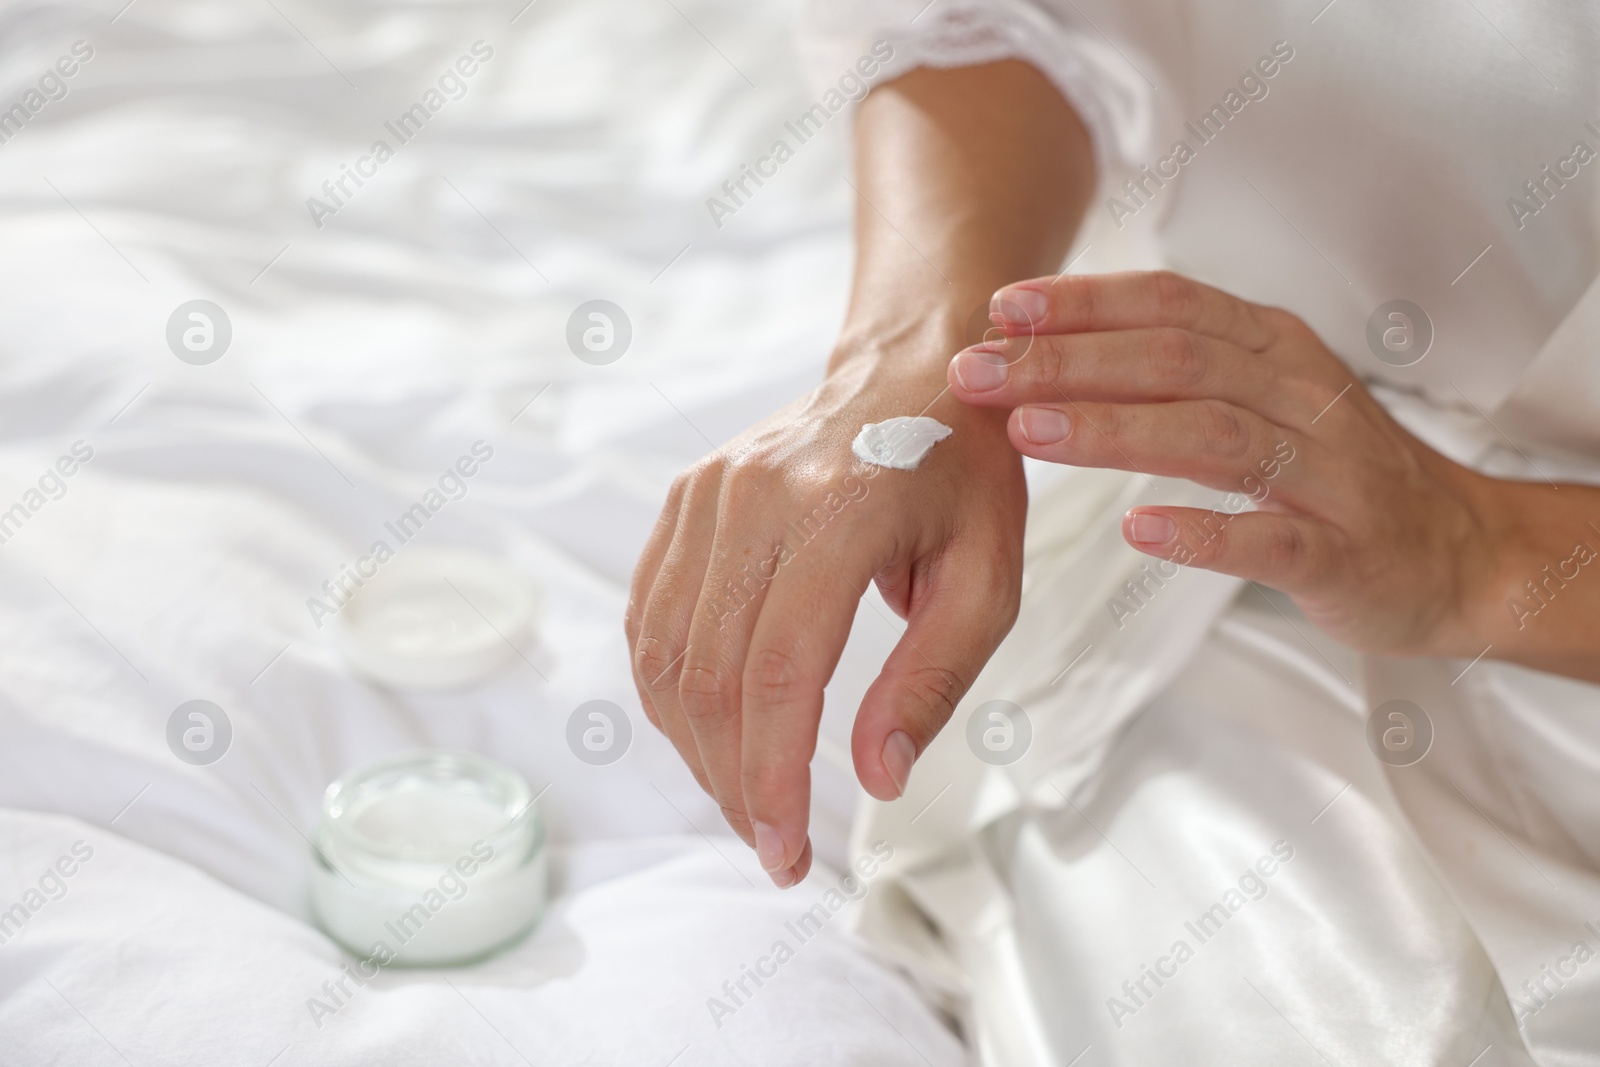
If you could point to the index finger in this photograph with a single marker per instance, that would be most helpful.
(1077, 303)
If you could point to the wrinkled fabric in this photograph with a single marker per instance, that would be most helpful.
(368, 354)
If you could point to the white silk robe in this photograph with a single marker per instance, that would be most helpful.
(1200, 857)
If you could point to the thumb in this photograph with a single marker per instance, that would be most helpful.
(969, 605)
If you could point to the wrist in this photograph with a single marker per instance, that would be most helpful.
(904, 372)
(917, 345)
(1524, 565)
(923, 325)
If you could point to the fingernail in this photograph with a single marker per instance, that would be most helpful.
(899, 753)
(1019, 307)
(978, 372)
(1148, 529)
(1043, 426)
(769, 847)
(782, 879)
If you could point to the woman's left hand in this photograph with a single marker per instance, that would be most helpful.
(1385, 544)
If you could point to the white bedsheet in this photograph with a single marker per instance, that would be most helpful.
(366, 356)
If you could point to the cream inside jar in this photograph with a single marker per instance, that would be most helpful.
(428, 858)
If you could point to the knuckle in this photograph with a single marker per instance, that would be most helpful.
(704, 692)
(737, 818)
(1223, 432)
(1284, 547)
(740, 481)
(1109, 422)
(1049, 361)
(653, 661)
(1176, 297)
(1307, 393)
(934, 691)
(1279, 327)
(772, 676)
(682, 486)
(747, 485)
(1203, 536)
(1282, 321)
(1176, 359)
(704, 477)
(1076, 298)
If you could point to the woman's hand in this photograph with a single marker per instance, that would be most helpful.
(1382, 542)
(746, 590)
(745, 593)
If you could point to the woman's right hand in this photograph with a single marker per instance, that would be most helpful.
(745, 592)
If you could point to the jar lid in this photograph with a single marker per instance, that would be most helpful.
(435, 618)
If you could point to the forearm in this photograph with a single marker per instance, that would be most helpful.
(968, 179)
(1540, 606)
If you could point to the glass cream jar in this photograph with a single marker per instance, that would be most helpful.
(428, 858)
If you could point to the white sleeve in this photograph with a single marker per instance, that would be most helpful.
(1108, 93)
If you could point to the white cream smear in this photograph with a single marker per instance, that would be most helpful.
(899, 443)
